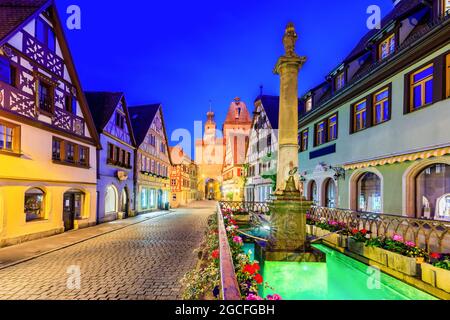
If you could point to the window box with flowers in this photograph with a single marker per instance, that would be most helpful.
(437, 272)
(395, 253)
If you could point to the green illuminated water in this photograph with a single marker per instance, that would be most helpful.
(340, 278)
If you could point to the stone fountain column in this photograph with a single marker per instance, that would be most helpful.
(287, 240)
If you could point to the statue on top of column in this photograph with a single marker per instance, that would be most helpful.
(289, 39)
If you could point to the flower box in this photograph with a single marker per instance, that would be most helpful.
(356, 246)
(403, 264)
(334, 238)
(437, 277)
(376, 254)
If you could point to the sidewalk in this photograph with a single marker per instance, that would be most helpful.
(13, 255)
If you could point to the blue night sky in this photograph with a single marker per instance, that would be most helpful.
(185, 53)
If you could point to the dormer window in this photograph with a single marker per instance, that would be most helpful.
(308, 104)
(386, 47)
(340, 80)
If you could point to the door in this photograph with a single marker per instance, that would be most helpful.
(125, 202)
(160, 204)
(69, 211)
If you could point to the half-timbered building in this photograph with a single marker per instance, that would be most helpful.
(261, 156)
(152, 158)
(183, 179)
(48, 139)
(115, 161)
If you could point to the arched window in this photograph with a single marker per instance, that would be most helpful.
(433, 192)
(110, 199)
(313, 195)
(34, 204)
(330, 194)
(369, 193)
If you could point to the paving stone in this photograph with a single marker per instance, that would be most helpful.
(142, 261)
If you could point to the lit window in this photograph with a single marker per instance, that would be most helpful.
(332, 128)
(308, 104)
(9, 137)
(34, 204)
(56, 149)
(369, 193)
(446, 8)
(422, 87)
(381, 106)
(304, 140)
(360, 116)
(320, 133)
(386, 47)
(340, 80)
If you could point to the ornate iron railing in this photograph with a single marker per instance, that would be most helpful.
(432, 235)
(228, 280)
(250, 207)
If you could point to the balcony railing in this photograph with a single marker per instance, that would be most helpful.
(432, 235)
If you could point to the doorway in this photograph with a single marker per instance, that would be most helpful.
(125, 202)
(72, 208)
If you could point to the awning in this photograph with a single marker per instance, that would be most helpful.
(399, 158)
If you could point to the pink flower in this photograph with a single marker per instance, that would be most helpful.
(397, 237)
(252, 296)
(410, 244)
(237, 239)
(274, 297)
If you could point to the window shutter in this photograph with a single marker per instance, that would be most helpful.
(352, 118)
(407, 93)
(438, 78)
(369, 111)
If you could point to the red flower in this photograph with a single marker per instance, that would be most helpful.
(215, 254)
(363, 231)
(256, 267)
(258, 278)
(249, 269)
(355, 231)
(435, 255)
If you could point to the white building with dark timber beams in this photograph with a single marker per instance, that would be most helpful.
(48, 139)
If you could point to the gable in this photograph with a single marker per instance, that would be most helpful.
(113, 128)
(37, 61)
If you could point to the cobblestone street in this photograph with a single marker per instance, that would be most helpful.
(142, 261)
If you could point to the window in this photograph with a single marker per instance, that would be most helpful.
(70, 152)
(9, 137)
(65, 152)
(110, 199)
(446, 6)
(56, 149)
(269, 140)
(386, 47)
(313, 195)
(34, 204)
(321, 133)
(332, 128)
(433, 192)
(340, 80)
(421, 87)
(110, 159)
(120, 120)
(369, 193)
(381, 106)
(83, 156)
(70, 105)
(360, 116)
(45, 34)
(308, 104)
(45, 97)
(144, 198)
(304, 140)
(330, 194)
